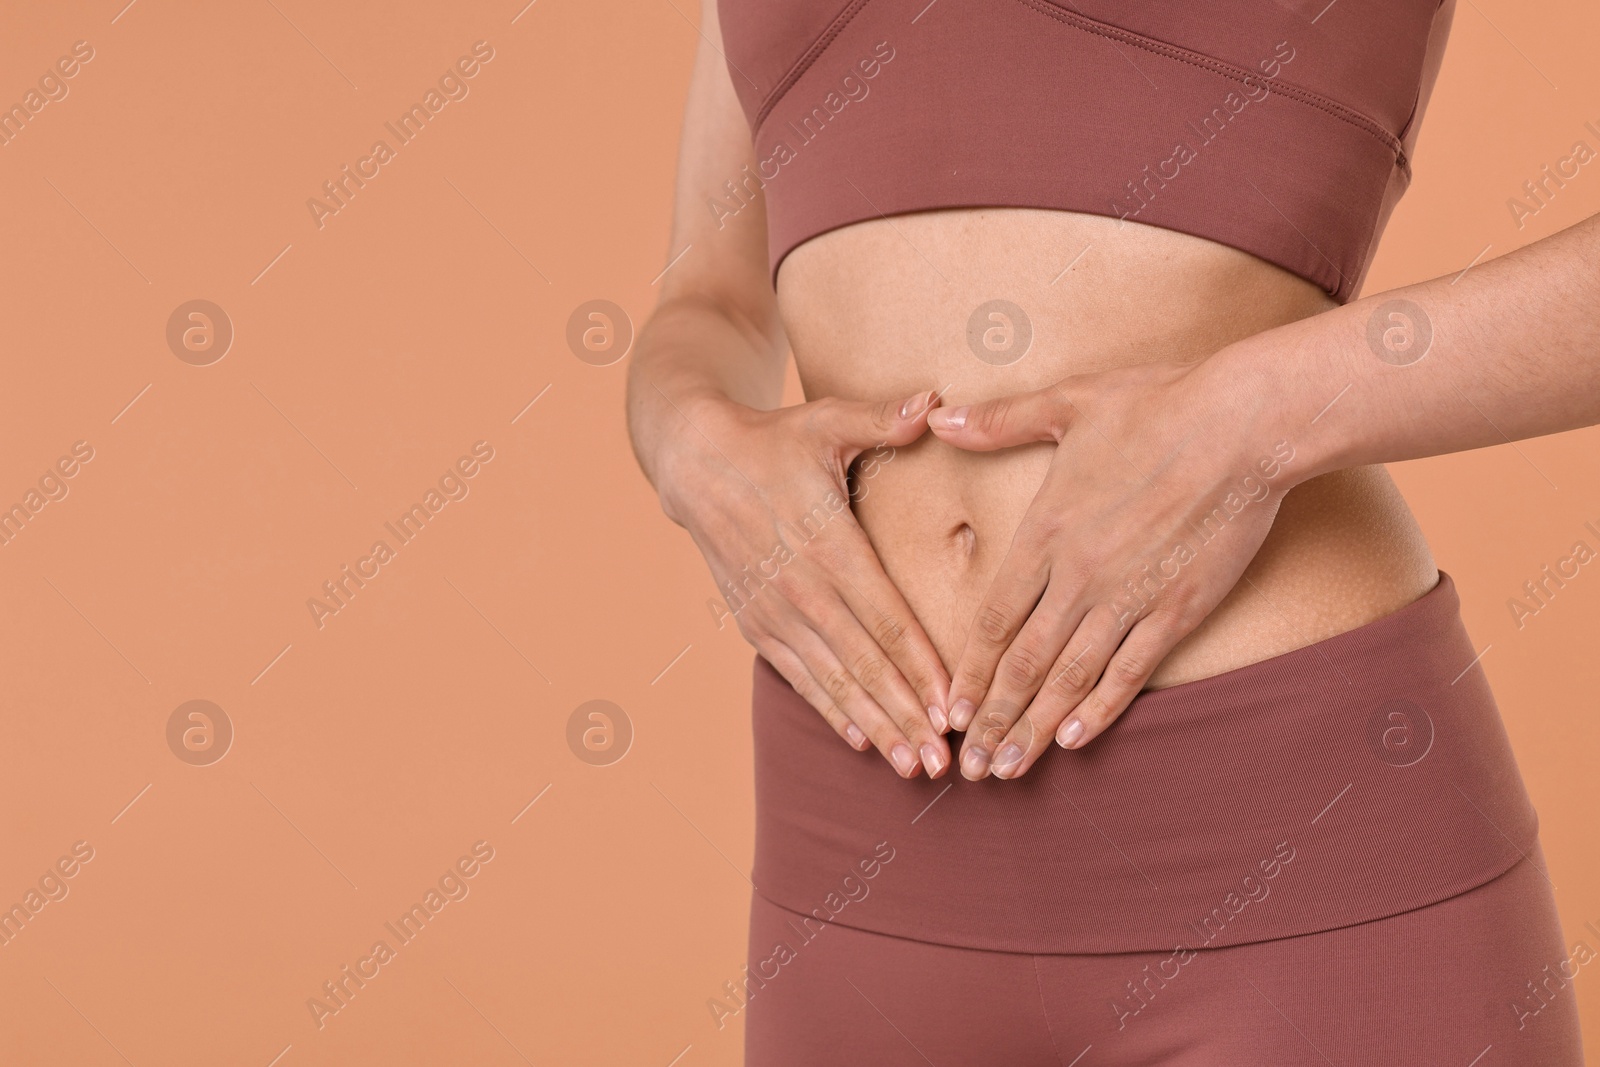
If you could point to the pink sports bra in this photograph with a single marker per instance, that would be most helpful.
(1283, 128)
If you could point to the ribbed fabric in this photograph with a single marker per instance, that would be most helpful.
(1282, 129)
(1356, 778)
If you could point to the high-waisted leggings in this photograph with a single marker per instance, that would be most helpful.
(1480, 979)
(1324, 858)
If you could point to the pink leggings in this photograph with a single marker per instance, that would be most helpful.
(1479, 979)
(1325, 858)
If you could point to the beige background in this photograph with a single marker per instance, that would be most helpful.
(372, 753)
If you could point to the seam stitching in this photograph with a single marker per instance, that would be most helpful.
(1307, 97)
(805, 62)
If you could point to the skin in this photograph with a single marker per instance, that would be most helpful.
(990, 575)
(1512, 356)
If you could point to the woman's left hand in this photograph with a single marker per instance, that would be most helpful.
(1163, 486)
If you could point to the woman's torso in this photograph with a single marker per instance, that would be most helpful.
(881, 309)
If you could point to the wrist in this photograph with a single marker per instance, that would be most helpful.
(695, 443)
(1288, 385)
(1246, 432)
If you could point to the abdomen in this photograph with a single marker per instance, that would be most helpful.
(882, 309)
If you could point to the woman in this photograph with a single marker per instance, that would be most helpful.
(1083, 515)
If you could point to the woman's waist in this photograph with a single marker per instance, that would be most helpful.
(994, 300)
(1344, 550)
(1356, 778)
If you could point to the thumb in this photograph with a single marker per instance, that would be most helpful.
(857, 425)
(1003, 423)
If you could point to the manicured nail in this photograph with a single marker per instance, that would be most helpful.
(961, 714)
(948, 418)
(1070, 734)
(975, 764)
(937, 717)
(904, 762)
(1008, 760)
(853, 734)
(914, 406)
(933, 759)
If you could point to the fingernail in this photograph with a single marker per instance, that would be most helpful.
(913, 406)
(974, 764)
(904, 762)
(1007, 761)
(1070, 734)
(932, 758)
(949, 418)
(961, 714)
(937, 717)
(853, 734)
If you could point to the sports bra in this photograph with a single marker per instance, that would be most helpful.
(1283, 128)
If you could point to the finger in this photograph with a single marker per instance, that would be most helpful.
(787, 664)
(995, 720)
(1006, 606)
(1072, 677)
(1024, 666)
(845, 690)
(877, 602)
(870, 666)
(857, 425)
(1135, 661)
(1042, 415)
(825, 684)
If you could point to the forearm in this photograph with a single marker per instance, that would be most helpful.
(689, 353)
(1513, 354)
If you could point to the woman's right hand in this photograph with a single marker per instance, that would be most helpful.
(766, 497)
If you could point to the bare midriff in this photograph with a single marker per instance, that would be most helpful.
(880, 310)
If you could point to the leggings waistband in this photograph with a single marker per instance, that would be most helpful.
(1353, 779)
